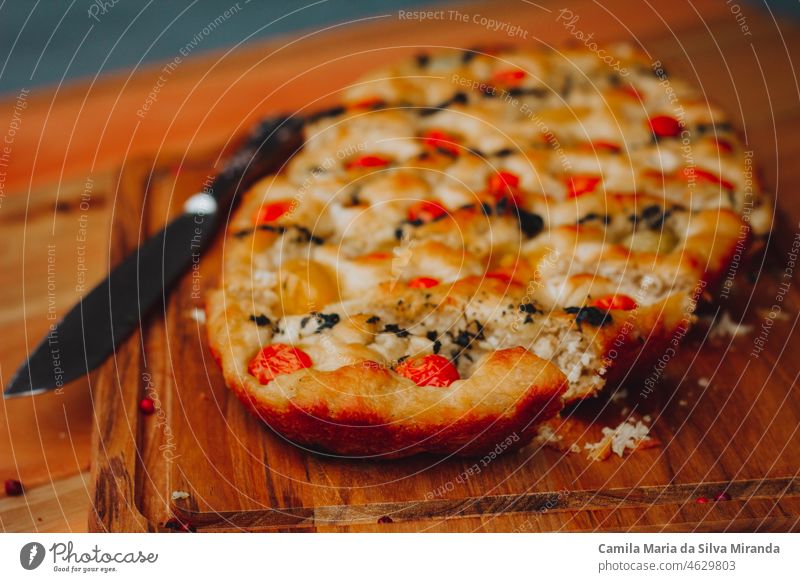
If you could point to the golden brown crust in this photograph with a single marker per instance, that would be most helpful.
(366, 410)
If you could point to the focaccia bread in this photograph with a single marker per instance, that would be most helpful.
(471, 240)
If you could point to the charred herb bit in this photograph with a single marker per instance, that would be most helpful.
(330, 112)
(260, 320)
(651, 211)
(475, 152)
(437, 346)
(373, 319)
(460, 97)
(464, 339)
(447, 152)
(529, 308)
(591, 315)
(271, 228)
(503, 153)
(304, 321)
(423, 59)
(468, 55)
(530, 223)
(539, 92)
(305, 235)
(263, 227)
(566, 89)
(466, 336)
(653, 217)
(432, 335)
(712, 128)
(605, 218)
(325, 320)
(396, 330)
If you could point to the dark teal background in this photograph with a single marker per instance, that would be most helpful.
(48, 41)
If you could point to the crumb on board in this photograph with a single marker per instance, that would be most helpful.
(683, 403)
(567, 435)
(199, 315)
(619, 395)
(546, 435)
(627, 436)
(703, 382)
(725, 326)
(177, 495)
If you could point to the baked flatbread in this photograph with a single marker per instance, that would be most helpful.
(473, 239)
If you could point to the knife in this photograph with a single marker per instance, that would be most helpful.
(101, 320)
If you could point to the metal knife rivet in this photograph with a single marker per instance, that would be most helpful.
(200, 203)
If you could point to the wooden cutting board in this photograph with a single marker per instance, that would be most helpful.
(727, 423)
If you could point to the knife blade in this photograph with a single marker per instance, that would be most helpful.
(110, 312)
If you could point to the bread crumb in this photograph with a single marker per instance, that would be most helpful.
(620, 394)
(546, 435)
(703, 382)
(683, 403)
(726, 327)
(626, 436)
(176, 495)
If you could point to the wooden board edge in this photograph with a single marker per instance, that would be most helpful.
(531, 503)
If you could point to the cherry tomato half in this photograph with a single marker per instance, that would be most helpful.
(665, 126)
(430, 370)
(509, 77)
(276, 360)
(423, 283)
(368, 161)
(440, 140)
(426, 211)
(579, 185)
(621, 302)
(272, 211)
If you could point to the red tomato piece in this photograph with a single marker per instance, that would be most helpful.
(368, 161)
(423, 283)
(368, 103)
(378, 256)
(723, 146)
(430, 370)
(509, 77)
(579, 185)
(706, 176)
(502, 181)
(499, 276)
(621, 302)
(440, 140)
(504, 185)
(276, 360)
(605, 146)
(272, 211)
(665, 126)
(426, 211)
(631, 91)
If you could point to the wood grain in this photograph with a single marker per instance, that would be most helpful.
(82, 133)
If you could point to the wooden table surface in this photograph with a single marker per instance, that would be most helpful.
(63, 148)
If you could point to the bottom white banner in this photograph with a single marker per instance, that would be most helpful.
(388, 557)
